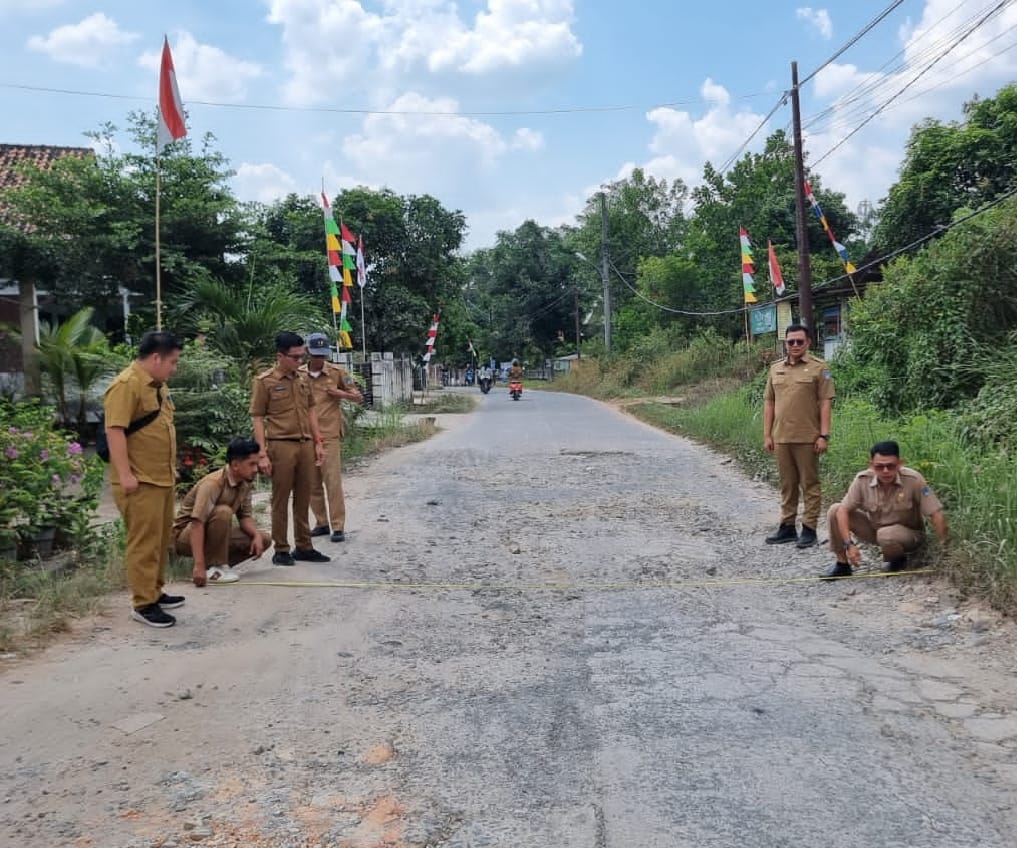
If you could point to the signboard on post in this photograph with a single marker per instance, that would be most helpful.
(763, 319)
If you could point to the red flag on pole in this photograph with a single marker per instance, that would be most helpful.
(171, 110)
(776, 277)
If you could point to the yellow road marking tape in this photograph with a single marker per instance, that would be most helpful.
(565, 587)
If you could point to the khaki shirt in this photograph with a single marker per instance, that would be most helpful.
(796, 391)
(329, 410)
(215, 489)
(284, 401)
(905, 502)
(152, 450)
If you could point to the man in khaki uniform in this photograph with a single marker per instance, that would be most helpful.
(886, 505)
(144, 471)
(797, 409)
(285, 421)
(204, 527)
(330, 385)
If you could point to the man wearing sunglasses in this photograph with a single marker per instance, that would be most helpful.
(885, 505)
(286, 423)
(797, 409)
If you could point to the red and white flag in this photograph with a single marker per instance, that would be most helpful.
(776, 277)
(171, 110)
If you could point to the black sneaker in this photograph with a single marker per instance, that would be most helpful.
(836, 571)
(153, 616)
(320, 531)
(899, 564)
(310, 555)
(782, 535)
(807, 538)
(339, 536)
(282, 558)
(170, 601)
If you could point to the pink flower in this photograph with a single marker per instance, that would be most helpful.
(55, 479)
(12, 430)
(73, 449)
(44, 454)
(75, 479)
(11, 453)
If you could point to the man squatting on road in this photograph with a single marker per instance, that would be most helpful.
(285, 421)
(330, 385)
(886, 505)
(204, 527)
(144, 471)
(797, 409)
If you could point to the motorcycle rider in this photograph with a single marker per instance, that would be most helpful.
(484, 377)
(515, 374)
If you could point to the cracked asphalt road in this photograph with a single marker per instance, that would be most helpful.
(873, 713)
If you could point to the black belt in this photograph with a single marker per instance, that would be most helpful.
(300, 439)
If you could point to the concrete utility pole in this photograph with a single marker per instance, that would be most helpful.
(575, 306)
(28, 309)
(605, 279)
(801, 223)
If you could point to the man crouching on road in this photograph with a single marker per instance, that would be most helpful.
(885, 505)
(204, 525)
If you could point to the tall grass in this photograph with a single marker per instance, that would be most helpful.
(977, 486)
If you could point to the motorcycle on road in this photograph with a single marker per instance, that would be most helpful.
(516, 389)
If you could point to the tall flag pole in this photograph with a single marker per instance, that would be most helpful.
(776, 276)
(362, 282)
(841, 250)
(335, 274)
(171, 127)
(432, 334)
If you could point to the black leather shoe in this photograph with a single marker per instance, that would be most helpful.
(807, 538)
(838, 569)
(782, 535)
(282, 558)
(310, 555)
(339, 536)
(899, 564)
(320, 531)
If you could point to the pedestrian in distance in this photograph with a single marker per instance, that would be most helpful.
(285, 422)
(330, 386)
(204, 527)
(886, 505)
(138, 420)
(797, 411)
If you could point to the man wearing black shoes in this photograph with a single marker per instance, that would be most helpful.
(797, 410)
(885, 505)
(282, 408)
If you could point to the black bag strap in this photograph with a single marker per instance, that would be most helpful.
(146, 419)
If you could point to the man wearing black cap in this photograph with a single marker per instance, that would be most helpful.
(330, 385)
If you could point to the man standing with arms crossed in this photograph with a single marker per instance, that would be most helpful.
(285, 422)
(330, 385)
(143, 453)
(797, 410)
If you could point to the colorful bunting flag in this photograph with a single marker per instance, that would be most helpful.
(335, 276)
(776, 277)
(841, 250)
(432, 334)
(749, 289)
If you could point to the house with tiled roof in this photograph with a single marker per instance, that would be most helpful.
(13, 158)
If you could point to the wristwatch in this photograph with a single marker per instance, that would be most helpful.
(825, 436)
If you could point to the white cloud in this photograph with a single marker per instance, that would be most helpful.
(205, 72)
(263, 182)
(527, 139)
(87, 43)
(407, 38)
(818, 19)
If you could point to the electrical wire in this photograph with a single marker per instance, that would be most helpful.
(995, 10)
(853, 40)
(734, 156)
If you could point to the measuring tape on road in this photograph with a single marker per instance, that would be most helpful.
(564, 587)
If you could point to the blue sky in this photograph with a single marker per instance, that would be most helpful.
(721, 66)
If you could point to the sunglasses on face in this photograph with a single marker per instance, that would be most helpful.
(294, 356)
(794, 342)
(885, 466)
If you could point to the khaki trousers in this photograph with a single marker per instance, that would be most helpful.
(293, 473)
(894, 540)
(329, 484)
(148, 517)
(225, 542)
(799, 469)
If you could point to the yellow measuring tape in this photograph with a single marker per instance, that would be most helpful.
(563, 587)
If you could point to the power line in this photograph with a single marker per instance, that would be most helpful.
(734, 156)
(336, 110)
(995, 10)
(854, 40)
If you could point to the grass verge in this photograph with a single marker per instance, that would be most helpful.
(978, 487)
(444, 404)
